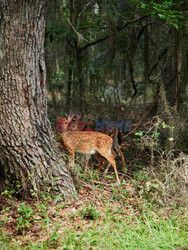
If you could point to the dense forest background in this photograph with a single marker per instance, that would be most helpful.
(116, 58)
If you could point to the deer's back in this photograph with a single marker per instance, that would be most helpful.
(86, 140)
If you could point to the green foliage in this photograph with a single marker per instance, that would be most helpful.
(170, 11)
(120, 193)
(42, 214)
(122, 218)
(24, 221)
(157, 137)
(89, 212)
(54, 240)
(9, 192)
(148, 232)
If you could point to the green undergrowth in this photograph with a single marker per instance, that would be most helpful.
(115, 231)
(110, 218)
(132, 215)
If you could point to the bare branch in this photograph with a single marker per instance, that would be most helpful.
(78, 34)
(118, 30)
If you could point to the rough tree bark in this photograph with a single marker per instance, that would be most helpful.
(28, 152)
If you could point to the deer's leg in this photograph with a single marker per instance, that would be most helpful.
(86, 163)
(113, 163)
(106, 170)
(72, 156)
(111, 160)
(123, 159)
(100, 161)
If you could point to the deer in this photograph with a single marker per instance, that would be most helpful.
(115, 134)
(88, 143)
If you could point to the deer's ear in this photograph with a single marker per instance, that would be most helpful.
(113, 133)
(79, 115)
(70, 117)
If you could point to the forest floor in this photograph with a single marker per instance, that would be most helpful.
(106, 215)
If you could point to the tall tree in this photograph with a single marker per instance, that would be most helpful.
(28, 152)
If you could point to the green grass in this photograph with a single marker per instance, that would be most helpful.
(114, 231)
(126, 216)
(146, 234)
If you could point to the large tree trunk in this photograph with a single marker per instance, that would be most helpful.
(28, 152)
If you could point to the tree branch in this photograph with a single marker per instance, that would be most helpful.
(118, 30)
